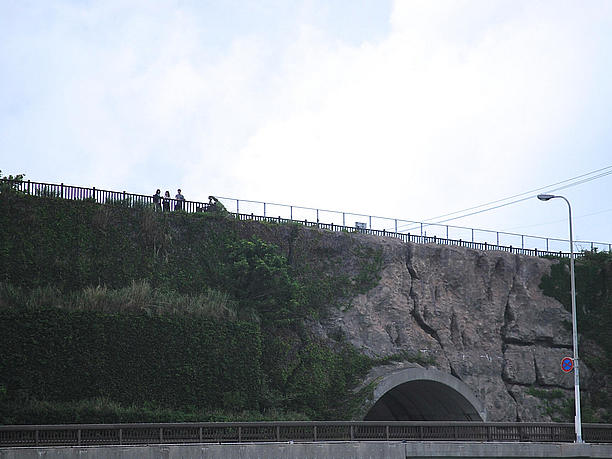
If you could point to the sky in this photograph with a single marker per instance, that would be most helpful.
(403, 109)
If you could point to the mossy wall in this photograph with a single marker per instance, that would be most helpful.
(152, 361)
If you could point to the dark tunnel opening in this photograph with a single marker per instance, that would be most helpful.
(422, 400)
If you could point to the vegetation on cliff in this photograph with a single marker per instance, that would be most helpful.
(593, 272)
(111, 313)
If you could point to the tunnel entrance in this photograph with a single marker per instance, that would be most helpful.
(418, 394)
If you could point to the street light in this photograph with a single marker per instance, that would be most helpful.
(577, 423)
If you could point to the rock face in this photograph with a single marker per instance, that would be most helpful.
(479, 316)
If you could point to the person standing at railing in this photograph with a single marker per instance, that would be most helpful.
(180, 199)
(157, 200)
(166, 201)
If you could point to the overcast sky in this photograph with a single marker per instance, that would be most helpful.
(405, 109)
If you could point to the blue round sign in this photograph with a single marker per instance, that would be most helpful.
(567, 364)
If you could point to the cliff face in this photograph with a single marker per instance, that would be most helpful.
(480, 316)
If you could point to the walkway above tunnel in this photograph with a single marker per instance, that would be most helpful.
(405, 230)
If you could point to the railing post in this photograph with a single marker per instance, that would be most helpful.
(317, 215)
(291, 212)
(37, 437)
(370, 217)
(421, 228)
(343, 220)
(522, 241)
(239, 434)
(498, 238)
(315, 433)
(264, 209)
(472, 234)
(277, 433)
(28, 187)
(62, 190)
(237, 206)
(78, 437)
(161, 434)
(120, 436)
(446, 231)
(201, 435)
(352, 432)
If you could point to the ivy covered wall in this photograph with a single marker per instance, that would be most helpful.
(112, 313)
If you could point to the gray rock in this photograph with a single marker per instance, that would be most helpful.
(478, 315)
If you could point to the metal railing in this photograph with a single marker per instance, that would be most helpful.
(407, 231)
(303, 431)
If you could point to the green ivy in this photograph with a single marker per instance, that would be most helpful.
(59, 358)
(593, 273)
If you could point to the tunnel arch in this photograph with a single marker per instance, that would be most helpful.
(419, 394)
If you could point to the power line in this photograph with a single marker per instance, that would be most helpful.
(520, 194)
(547, 187)
(528, 197)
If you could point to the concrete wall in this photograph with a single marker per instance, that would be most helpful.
(337, 450)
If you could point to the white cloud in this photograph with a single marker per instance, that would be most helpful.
(460, 102)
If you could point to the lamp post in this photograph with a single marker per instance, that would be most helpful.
(577, 422)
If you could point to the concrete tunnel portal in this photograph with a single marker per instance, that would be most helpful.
(419, 394)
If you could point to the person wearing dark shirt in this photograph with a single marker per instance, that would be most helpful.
(166, 201)
(157, 200)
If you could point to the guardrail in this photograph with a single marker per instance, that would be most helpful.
(296, 213)
(303, 431)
